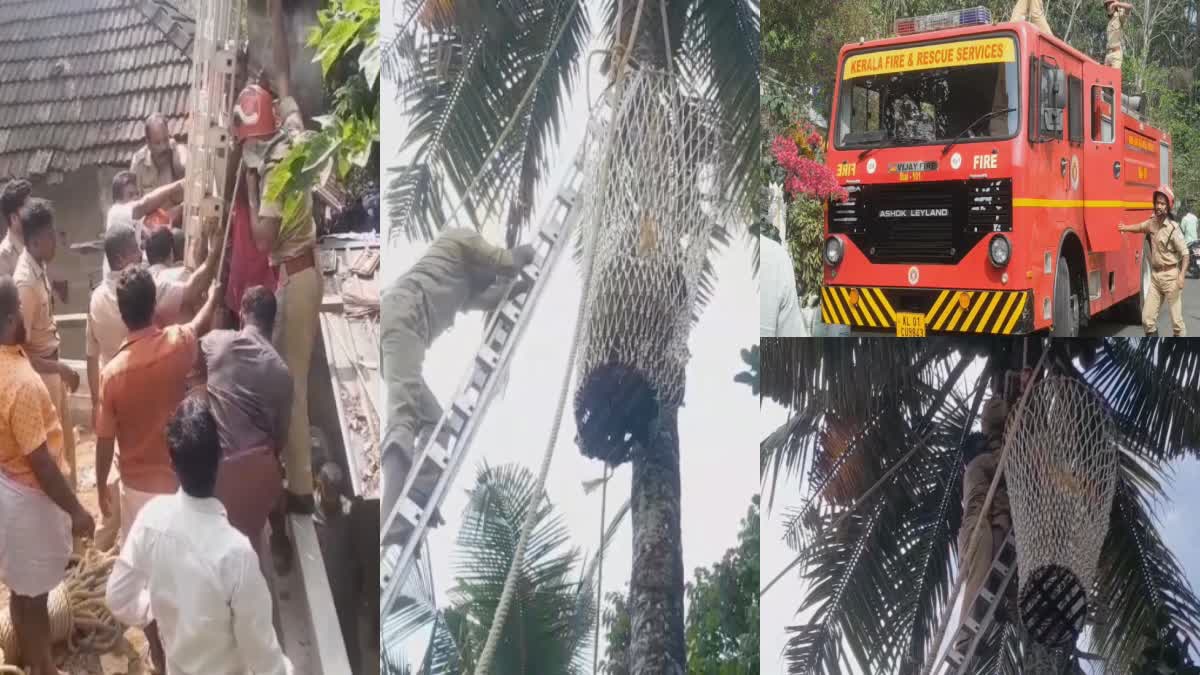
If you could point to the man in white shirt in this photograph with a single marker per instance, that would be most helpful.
(184, 565)
(105, 332)
(1189, 225)
(16, 193)
(130, 207)
(779, 314)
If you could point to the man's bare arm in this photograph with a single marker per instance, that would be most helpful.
(53, 483)
(199, 280)
(160, 197)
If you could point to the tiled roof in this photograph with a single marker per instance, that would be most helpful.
(79, 77)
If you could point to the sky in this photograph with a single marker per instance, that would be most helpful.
(778, 607)
(718, 440)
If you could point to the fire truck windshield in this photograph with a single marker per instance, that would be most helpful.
(928, 94)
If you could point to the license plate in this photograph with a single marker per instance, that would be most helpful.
(910, 325)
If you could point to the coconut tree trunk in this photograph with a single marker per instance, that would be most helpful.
(656, 589)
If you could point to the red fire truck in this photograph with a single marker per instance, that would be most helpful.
(987, 168)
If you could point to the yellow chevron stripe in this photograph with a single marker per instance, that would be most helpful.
(933, 310)
(838, 312)
(1002, 316)
(958, 313)
(883, 301)
(864, 315)
(947, 310)
(852, 318)
(827, 306)
(866, 294)
(975, 307)
(824, 309)
(987, 313)
(1075, 203)
(1012, 321)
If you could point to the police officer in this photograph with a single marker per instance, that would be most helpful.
(1168, 259)
(1114, 55)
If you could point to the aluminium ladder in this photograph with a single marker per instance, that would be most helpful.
(447, 446)
(982, 611)
(210, 117)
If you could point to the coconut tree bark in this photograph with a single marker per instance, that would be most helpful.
(656, 587)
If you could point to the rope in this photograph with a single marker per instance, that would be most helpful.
(510, 582)
(600, 570)
(944, 622)
(78, 613)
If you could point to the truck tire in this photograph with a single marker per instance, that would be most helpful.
(1131, 307)
(1064, 312)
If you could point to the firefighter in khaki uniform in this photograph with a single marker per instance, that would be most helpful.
(1168, 258)
(981, 458)
(288, 234)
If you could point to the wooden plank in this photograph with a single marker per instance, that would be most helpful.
(326, 632)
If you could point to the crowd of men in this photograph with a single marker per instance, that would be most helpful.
(202, 433)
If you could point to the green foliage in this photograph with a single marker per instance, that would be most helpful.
(722, 623)
(346, 43)
(750, 376)
(549, 628)
(617, 635)
(805, 231)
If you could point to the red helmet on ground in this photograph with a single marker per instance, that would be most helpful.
(254, 114)
(1165, 190)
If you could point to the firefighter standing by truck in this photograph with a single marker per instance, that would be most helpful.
(1168, 259)
(289, 235)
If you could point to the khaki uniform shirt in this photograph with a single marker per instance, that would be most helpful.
(297, 231)
(150, 176)
(10, 250)
(976, 481)
(37, 307)
(1167, 247)
(458, 266)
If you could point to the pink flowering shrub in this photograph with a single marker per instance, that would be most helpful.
(804, 174)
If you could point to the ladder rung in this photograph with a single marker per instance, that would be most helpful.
(567, 196)
(511, 312)
(487, 358)
(464, 406)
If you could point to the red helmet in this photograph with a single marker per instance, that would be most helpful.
(254, 114)
(1165, 190)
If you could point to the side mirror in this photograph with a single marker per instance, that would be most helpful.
(1060, 89)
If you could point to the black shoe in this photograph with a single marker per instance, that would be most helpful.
(303, 505)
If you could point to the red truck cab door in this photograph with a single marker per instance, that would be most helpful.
(1100, 170)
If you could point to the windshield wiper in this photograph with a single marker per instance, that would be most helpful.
(972, 126)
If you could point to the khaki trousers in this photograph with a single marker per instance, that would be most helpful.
(1033, 12)
(299, 300)
(411, 405)
(1164, 285)
(1115, 54)
(61, 398)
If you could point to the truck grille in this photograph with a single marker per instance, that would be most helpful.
(937, 222)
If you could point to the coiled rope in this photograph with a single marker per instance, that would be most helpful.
(78, 613)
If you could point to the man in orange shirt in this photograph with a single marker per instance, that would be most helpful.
(37, 311)
(40, 511)
(140, 388)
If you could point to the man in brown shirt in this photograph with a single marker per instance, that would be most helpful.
(37, 309)
(1168, 259)
(250, 393)
(16, 193)
(460, 271)
(161, 161)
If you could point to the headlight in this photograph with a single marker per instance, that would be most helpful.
(999, 250)
(833, 250)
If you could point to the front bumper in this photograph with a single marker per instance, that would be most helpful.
(944, 310)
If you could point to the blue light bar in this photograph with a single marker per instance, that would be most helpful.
(975, 16)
